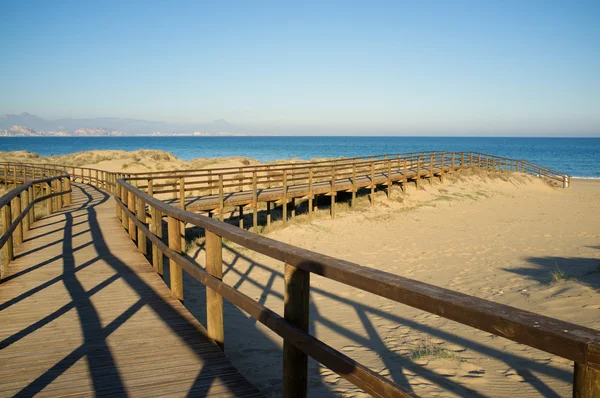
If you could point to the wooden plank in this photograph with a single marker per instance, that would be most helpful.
(214, 301)
(156, 348)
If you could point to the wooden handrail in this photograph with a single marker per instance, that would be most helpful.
(18, 218)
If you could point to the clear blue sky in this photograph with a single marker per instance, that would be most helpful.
(419, 67)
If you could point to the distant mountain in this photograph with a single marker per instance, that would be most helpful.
(23, 119)
(112, 124)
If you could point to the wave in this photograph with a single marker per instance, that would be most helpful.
(586, 178)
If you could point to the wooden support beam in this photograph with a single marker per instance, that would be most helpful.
(157, 256)
(214, 301)
(417, 183)
(241, 218)
(18, 232)
(9, 253)
(354, 187)
(255, 202)
(221, 202)
(586, 378)
(310, 192)
(284, 197)
(141, 215)
(293, 210)
(175, 271)
(296, 311)
(268, 213)
(131, 207)
(32, 199)
(24, 203)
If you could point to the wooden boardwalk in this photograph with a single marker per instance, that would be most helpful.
(276, 194)
(83, 313)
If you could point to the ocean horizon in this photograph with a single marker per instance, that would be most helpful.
(579, 157)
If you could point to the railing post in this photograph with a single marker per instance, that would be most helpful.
(131, 207)
(70, 193)
(49, 206)
(24, 203)
(296, 311)
(214, 301)
(586, 378)
(372, 182)
(418, 179)
(157, 256)
(255, 201)
(141, 215)
(182, 206)
(18, 232)
(9, 252)
(221, 200)
(284, 196)
(431, 169)
(175, 272)
(354, 189)
(31, 200)
(124, 216)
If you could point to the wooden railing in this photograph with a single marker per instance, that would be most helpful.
(142, 214)
(33, 185)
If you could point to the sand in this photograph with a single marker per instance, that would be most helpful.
(516, 242)
(143, 160)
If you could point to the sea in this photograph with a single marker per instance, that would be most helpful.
(579, 157)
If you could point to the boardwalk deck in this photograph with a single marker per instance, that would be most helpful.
(83, 313)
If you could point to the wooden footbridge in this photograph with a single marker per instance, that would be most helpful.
(86, 312)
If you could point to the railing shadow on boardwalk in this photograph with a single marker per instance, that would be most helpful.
(104, 372)
(394, 362)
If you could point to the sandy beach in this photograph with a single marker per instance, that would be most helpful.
(506, 237)
(515, 241)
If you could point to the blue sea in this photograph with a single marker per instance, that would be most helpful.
(579, 157)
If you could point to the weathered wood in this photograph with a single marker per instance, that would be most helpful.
(296, 311)
(31, 195)
(254, 202)
(182, 206)
(16, 212)
(9, 253)
(586, 378)
(131, 206)
(241, 217)
(214, 301)
(418, 172)
(49, 206)
(310, 192)
(284, 189)
(175, 272)
(157, 256)
(354, 187)
(114, 331)
(124, 199)
(372, 183)
(221, 201)
(141, 215)
(268, 213)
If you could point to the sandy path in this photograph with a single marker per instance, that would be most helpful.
(491, 239)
